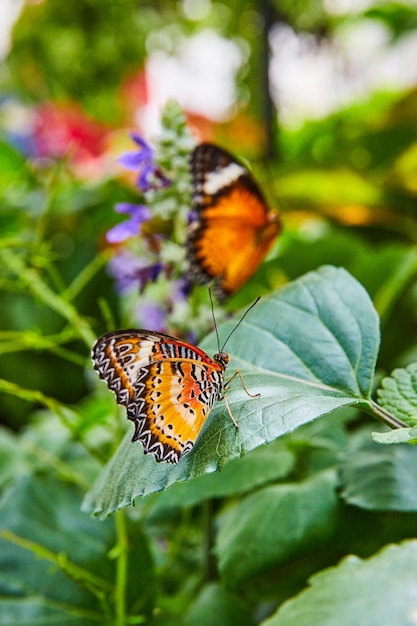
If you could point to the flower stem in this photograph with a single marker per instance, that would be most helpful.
(209, 563)
(121, 568)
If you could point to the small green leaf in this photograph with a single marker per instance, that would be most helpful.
(272, 526)
(308, 349)
(382, 478)
(399, 435)
(379, 591)
(398, 394)
(215, 606)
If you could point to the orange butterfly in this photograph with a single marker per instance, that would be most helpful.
(167, 385)
(231, 228)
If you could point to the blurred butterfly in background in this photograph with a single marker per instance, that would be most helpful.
(231, 228)
(168, 386)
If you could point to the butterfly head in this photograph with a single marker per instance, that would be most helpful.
(222, 358)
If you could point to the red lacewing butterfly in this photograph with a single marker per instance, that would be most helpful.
(231, 227)
(167, 386)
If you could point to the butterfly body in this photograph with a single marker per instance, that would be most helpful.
(231, 229)
(167, 386)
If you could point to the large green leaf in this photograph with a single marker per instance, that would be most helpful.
(308, 349)
(380, 591)
(272, 526)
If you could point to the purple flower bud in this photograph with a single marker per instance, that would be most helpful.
(139, 214)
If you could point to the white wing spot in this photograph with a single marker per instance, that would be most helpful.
(222, 178)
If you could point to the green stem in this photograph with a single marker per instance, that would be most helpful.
(77, 613)
(34, 283)
(86, 275)
(121, 567)
(96, 585)
(52, 192)
(17, 341)
(64, 470)
(36, 396)
(68, 417)
(385, 416)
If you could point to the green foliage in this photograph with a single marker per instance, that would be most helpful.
(275, 526)
(80, 51)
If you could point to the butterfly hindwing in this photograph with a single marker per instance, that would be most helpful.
(231, 228)
(167, 386)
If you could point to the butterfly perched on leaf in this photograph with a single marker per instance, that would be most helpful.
(167, 386)
(231, 227)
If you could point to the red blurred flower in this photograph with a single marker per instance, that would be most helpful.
(64, 130)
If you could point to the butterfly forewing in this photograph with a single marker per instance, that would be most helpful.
(231, 228)
(167, 386)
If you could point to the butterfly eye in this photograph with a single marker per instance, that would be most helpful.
(223, 358)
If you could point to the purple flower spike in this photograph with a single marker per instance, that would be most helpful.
(139, 213)
(142, 161)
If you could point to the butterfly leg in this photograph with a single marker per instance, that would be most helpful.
(238, 373)
(226, 387)
(230, 412)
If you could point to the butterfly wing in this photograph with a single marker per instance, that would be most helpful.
(167, 386)
(231, 229)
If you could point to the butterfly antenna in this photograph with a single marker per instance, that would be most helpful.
(240, 321)
(214, 319)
